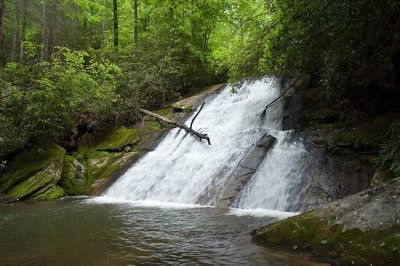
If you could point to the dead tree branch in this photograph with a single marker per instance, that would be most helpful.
(201, 108)
(280, 96)
(177, 124)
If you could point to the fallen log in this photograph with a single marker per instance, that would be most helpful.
(179, 125)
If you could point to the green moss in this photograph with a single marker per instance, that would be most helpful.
(27, 164)
(117, 139)
(49, 193)
(323, 238)
(33, 171)
(166, 112)
(156, 124)
(74, 176)
(98, 162)
(103, 164)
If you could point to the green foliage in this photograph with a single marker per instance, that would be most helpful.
(48, 99)
(350, 48)
(67, 84)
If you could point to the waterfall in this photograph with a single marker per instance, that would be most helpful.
(186, 171)
(278, 182)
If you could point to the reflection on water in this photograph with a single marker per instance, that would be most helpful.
(78, 232)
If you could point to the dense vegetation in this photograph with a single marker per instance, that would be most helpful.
(73, 66)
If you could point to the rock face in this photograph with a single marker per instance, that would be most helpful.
(35, 174)
(74, 178)
(340, 154)
(363, 229)
(245, 170)
(334, 176)
(370, 209)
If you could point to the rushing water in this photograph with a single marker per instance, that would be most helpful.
(183, 170)
(278, 182)
(83, 232)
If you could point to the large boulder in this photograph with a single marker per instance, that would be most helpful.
(74, 177)
(33, 174)
(362, 229)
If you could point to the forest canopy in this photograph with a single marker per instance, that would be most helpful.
(68, 66)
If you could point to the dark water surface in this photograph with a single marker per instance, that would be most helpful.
(77, 232)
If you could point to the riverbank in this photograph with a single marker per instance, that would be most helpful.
(52, 173)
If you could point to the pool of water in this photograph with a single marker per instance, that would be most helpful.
(83, 232)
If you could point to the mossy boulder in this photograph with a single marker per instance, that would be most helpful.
(100, 164)
(33, 172)
(50, 192)
(74, 178)
(362, 229)
(182, 107)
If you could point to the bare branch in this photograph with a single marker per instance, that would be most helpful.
(176, 124)
(201, 108)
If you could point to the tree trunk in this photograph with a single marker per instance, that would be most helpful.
(43, 51)
(135, 18)
(115, 18)
(16, 33)
(103, 25)
(23, 31)
(51, 24)
(1, 37)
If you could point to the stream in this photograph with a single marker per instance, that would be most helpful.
(87, 232)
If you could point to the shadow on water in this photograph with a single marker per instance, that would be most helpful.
(80, 232)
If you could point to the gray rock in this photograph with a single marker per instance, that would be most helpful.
(245, 170)
(369, 209)
(329, 176)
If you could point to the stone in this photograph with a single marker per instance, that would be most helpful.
(357, 229)
(74, 176)
(28, 178)
(382, 178)
(245, 170)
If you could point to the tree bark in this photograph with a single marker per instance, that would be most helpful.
(103, 25)
(16, 33)
(135, 18)
(51, 25)
(177, 124)
(23, 31)
(1, 37)
(43, 51)
(115, 19)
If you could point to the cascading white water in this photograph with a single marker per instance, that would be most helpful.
(277, 183)
(184, 170)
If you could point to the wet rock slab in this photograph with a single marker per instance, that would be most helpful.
(245, 170)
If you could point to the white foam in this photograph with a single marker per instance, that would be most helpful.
(184, 170)
(144, 203)
(262, 212)
(277, 183)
